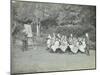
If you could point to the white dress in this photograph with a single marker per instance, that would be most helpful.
(64, 46)
(73, 46)
(55, 46)
(49, 43)
(82, 47)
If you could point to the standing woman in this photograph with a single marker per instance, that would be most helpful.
(53, 38)
(49, 42)
(24, 41)
(87, 44)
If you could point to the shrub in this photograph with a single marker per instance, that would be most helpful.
(77, 30)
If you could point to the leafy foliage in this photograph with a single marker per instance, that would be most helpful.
(56, 17)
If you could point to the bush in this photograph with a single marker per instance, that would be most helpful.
(77, 31)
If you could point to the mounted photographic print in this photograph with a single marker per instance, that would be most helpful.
(52, 37)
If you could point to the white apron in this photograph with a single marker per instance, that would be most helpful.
(82, 47)
(55, 46)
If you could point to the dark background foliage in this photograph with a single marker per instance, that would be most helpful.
(59, 18)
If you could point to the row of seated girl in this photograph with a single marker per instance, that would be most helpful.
(63, 43)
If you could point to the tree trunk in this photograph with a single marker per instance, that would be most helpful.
(38, 30)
